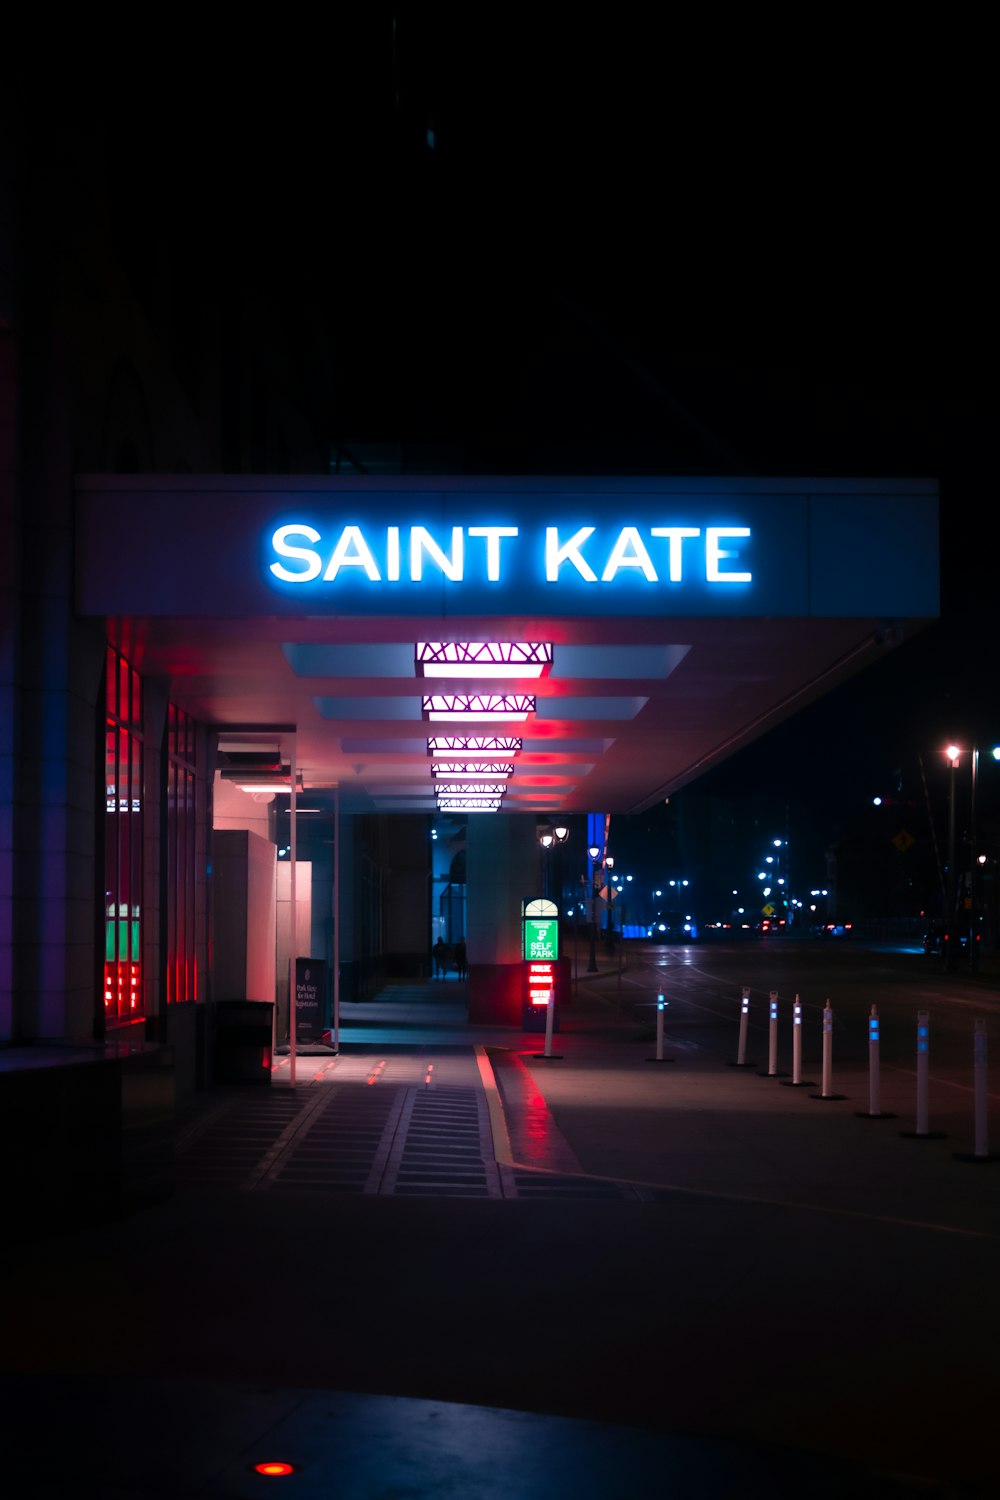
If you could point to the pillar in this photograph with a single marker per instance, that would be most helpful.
(501, 873)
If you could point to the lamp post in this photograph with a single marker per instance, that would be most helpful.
(552, 838)
(609, 865)
(954, 753)
(560, 834)
(593, 851)
(951, 947)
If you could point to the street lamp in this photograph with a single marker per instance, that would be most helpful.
(953, 754)
(552, 838)
(609, 864)
(594, 850)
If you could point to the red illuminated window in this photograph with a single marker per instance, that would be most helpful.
(181, 857)
(124, 998)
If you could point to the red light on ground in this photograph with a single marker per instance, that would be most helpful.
(274, 1469)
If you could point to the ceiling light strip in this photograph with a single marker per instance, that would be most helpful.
(481, 789)
(439, 706)
(471, 768)
(477, 747)
(469, 804)
(482, 658)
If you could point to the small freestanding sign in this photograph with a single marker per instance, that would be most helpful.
(310, 999)
(540, 952)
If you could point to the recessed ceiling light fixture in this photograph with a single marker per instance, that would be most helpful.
(472, 789)
(470, 804)
(470, 769)
(478, 706)
(270, 786)
(483, 658)
(478, 747)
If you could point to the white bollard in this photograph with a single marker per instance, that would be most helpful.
(923, 1050)
(874, 1112)
(982, 1152)
(796, 1080)
(873, 1080)
(741, 1051)
(826, 1088)
(827, 1050)
(549, 1016)
(922, 1133)
(661, 1006)
(772, 1039)
(982, 1149)
(797, 1041)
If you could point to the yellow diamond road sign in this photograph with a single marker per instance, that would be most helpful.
(903, 841)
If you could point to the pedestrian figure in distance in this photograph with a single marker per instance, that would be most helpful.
(461, 962)
(440, 955)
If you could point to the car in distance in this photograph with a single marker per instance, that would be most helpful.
(673, 927)
(940, 939)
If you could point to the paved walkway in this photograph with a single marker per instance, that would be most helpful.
(679, 1278)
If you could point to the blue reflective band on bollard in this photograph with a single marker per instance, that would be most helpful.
(659, 1002)
(873, 1029)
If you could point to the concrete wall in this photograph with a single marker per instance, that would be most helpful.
(244, 916)
(9, 615)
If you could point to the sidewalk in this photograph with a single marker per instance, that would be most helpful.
(794, 1300)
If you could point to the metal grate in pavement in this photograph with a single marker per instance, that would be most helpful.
(226, 1146)
(366, 1135)
(347, 1142)
(443, 1147)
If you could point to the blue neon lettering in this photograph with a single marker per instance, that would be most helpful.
(302, 555)
(675, 534)
(312, 559)
(714, 554)
(629, 552)
(493, 535)
(352, 551)
(555, 554)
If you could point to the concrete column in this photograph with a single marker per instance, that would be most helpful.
(501, 873)
(9, 633)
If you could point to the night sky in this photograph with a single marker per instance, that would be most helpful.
(621, 246)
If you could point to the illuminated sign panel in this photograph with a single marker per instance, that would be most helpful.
(558, 555)
(303, 555)
(240, 546)
(541, 938)
(541, 982)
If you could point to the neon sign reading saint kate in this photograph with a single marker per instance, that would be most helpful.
(660, 554)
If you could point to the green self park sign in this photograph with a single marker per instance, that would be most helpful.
(541, 938)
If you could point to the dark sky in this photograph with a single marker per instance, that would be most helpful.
(676, 245)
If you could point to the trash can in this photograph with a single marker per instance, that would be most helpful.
(243, 1036)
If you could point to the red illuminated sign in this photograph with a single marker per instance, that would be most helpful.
(541, 982)
(122, 994)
